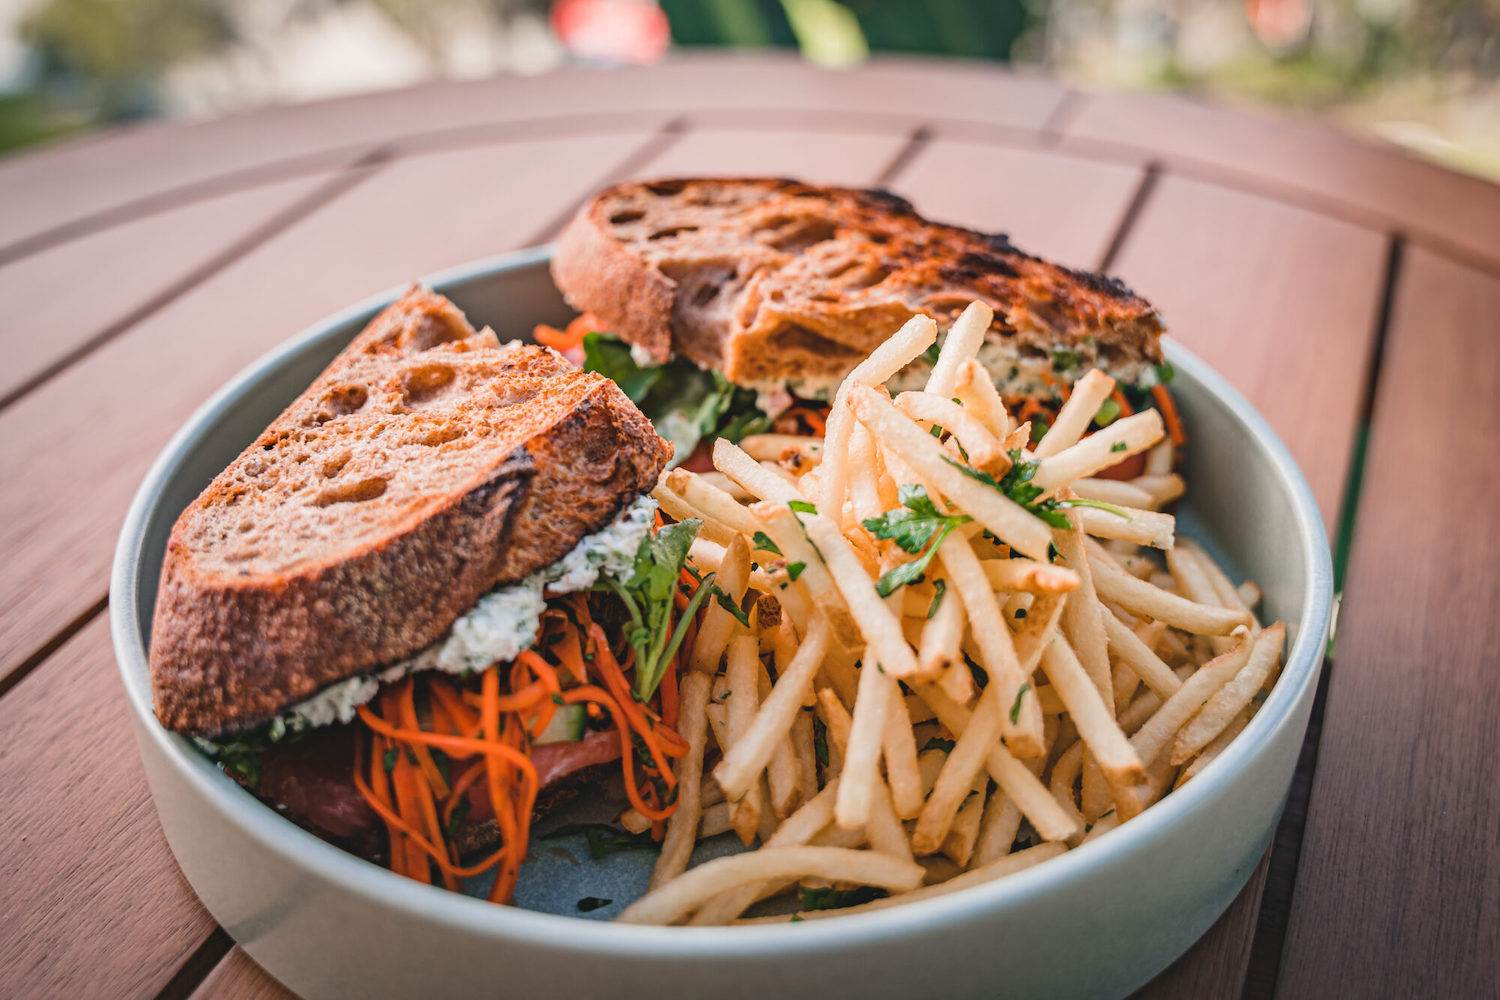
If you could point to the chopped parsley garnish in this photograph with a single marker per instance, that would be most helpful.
(940, 588)
(912, 526)
(1017, 485)
(1015, 709)
(802, 506)
(728, 604)
(648, 598)
(795, 569)
(1117, 447)
(931, 354)
(590, 903)
(1064, 359)
(837, 899)
(763, 543)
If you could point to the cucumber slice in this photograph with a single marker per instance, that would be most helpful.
(568, 725)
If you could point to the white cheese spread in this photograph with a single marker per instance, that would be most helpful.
(502, 624)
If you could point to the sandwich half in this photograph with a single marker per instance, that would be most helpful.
(395, 615)
(772, 290)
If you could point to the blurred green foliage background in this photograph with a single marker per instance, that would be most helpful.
(1423, 73)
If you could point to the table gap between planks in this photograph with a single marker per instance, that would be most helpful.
(1293, 259)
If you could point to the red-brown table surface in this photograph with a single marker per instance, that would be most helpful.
(1352, 293)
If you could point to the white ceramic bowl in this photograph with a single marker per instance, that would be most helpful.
(1097, 922)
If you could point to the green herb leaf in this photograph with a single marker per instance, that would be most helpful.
(1109, 411)
(763, 543)
(802, 506)
(1165, 372)
(940, 588)
(1015, 709)
(389, 758)
(837, 899)
(648, 596)
(912, 526)
(795, 569)
(797, 918)
(1064, 359)
(603, 839)
(728, 604)
(1016, 484)
(1118, 446)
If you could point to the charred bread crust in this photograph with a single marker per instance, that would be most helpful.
(243, 631)
(770, 278)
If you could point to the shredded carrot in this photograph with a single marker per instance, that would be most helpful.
(1126, 409)
(572, 336)
(487, 734)
(1168, 407)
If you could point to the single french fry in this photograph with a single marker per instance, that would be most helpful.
(1140, 658)
(900, 751)
(962, 835)
(957, 682)
(803, 740)
(1114, 584)
(677, 507)
(965, 761)
(894, 354)
(714, 821)
(1089, 393)
(1019, 719)
(682, 827)
(976, 390)
(941, 636)
(861, 771)
(1228, 594)
(1137, 525)
(1114, 491)
(812, 576)
(1064, 776)
(773, 447)
(709, 556)
(753, 477)
(1152, 738)
(1101, 826)
(1232, 698)
(1163, 488)
(964, 339)
(997, 828)
(884, 830)
(709, 501)
(865, 494)
(1096, 724)
(1042, 620)
(677, 899)
(742, 680)
(1083, 621)
(716, 623)
(836, 719)
(1099, 451)
(753, 751)
(1030, 576)
(1215, 747)
(783, 772)
(983, 448)
(1161, 458)
(1006, 519)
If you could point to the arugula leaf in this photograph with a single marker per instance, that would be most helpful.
(685, 402)
(837, 899)
(648, 599)
(912, 526)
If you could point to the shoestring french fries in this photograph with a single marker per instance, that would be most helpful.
(943, 652)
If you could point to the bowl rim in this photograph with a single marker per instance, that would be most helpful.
(454, 911)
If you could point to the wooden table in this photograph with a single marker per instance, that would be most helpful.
(1352, 293)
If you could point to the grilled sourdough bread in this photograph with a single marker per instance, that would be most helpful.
(766, 279)
(425, 466)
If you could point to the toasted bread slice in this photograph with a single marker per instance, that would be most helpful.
(767, 279)
(426, 465)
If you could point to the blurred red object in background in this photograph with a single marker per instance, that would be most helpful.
(633, 31)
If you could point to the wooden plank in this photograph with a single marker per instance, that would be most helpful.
(58, 300)
(237, 977)
(1059, 206)
(94, 903)
(1280, 300)
(72, 183)
(1376, 182)
(823, 157)
(1215, 965)
(1398, 890)
(79, 444)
